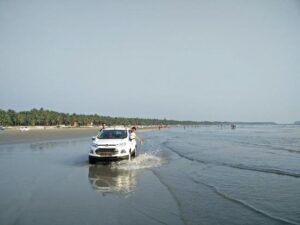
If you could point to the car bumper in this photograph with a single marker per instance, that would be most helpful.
(107, 158)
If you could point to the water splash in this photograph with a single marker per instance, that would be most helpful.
(141, 161)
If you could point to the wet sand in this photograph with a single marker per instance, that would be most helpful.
(50, 181)
(15, 136)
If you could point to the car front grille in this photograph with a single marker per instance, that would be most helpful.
(107, 145)
(106, 151)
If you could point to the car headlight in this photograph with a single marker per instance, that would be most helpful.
(94, 145)
(121, 144)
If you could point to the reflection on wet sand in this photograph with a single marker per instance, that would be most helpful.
(40, 146)
(105, 179)
(47, 145)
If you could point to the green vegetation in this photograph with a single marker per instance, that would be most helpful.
(42, 117)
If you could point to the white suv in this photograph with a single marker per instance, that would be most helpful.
(112, 143)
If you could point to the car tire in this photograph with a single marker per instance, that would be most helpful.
(133, 153)
(92, 160)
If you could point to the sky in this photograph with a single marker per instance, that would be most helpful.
(186, 60)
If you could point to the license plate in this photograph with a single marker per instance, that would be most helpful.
(106, 153)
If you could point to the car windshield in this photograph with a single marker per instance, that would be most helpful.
(112, 134)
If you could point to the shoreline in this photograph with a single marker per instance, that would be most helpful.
(15, 136)
(74, 127)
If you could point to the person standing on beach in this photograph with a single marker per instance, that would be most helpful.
(133, 136)
(103, 126)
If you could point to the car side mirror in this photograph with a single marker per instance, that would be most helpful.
(93, 138)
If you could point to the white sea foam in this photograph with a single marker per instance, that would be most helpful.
(142, 161)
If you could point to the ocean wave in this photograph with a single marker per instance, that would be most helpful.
(243, 203)
(268, 146)
(236, 166)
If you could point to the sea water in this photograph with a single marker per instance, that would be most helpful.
(198, 175)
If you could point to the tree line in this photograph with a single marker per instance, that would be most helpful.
(44, 117)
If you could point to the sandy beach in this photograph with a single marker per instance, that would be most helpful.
(15, 136)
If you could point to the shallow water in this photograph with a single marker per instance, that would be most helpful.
(205, 175)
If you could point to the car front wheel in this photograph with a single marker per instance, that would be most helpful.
(92, 160)
(133, 153)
